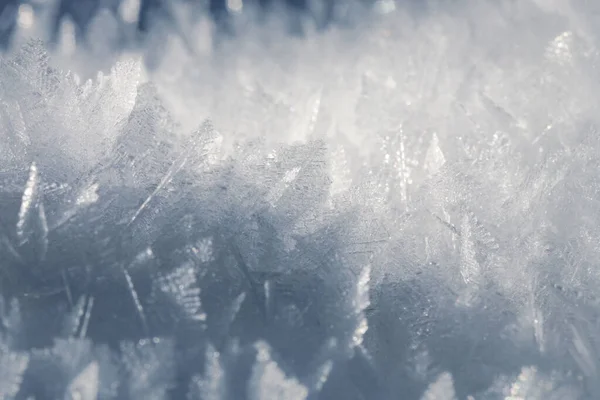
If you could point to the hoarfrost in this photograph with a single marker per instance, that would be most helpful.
(149, 365)
(441, 389)
(213, 385)
(85, 385)
(12, 368)
(181, 286)
(413, 215)
(268, 381)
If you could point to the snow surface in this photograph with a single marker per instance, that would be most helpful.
(401, 208)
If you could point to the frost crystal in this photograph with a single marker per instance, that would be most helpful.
(149, 365)
(228, 216)
(434, 158)
(470, 269)
(32, 225)
(181, 286)
(85, 385)
(441, 389)
(12, 367)
(268, 381)
(212, 386)
(362, 302)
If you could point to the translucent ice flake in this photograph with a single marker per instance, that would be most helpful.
(88, 196)
(361, 302)
(181, 287)
(212, 385)
(17, 141)
(149, 366)
(441, 389)
(583, 353)
(268, 381)
(129, 10)
(470, 269)
(27, 202)
(434, 157)
(135, 297)
(281, 186)
(202, 250)
(535, 385)
(340, 172)
(12, 368)
(32, 226)
(85, 385)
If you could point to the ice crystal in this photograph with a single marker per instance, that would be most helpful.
(411, 216)
(12, 367)
(181, 286)
(268, 381)
(213, 385)
(32, 225)
(441, 389)
(85, 385)
(149, 365)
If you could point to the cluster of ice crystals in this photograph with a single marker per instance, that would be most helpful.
(404, 209)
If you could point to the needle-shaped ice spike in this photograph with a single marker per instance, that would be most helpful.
(28, 202)
(32, 226)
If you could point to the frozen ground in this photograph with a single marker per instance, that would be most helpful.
(404, 206)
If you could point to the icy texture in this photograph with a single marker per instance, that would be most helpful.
(440, 389)
(405, 209)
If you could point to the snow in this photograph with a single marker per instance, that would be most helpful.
(404, 207)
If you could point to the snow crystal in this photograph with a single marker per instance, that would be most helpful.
(268, 381)
(12, 367)
(212, 386)
(85, 385)
(441, 389)
(402, 205)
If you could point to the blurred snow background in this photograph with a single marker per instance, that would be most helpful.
(345, 200)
